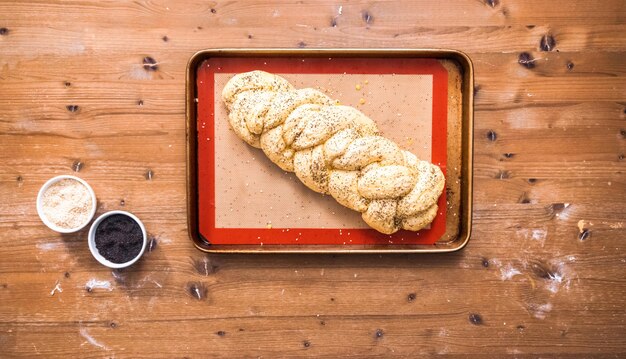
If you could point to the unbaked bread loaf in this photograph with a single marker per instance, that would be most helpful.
(334, 150)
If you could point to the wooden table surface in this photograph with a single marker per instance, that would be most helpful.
(544, 272)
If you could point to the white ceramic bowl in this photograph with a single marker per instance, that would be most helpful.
(53, 226)
(91, 239)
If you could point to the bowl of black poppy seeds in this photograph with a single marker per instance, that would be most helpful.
(117, 239)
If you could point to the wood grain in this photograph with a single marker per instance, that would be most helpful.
(543, 274)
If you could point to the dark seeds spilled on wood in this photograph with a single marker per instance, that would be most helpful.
(119, 238)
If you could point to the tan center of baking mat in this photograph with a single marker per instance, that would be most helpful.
(264, 194)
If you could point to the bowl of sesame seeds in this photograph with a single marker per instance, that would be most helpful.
(66, 204)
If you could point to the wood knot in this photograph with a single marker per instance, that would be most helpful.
(150, 64)
(584, 234)
(544, 270)
(547, 43)
(475, 319)
(197, 290)
(554, 209)
(204, 266)
(165, 38)
(367, 17)
(152, 243)
(77, 166)
(525, 59)
(492, 3)
(503, 175)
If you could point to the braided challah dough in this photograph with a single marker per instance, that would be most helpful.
(334, 150)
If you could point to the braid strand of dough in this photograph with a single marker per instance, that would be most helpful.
(334, 150)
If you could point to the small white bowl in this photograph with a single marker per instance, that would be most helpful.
(91, 239)
(45, 219)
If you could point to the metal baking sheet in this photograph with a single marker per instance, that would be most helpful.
(238, 201)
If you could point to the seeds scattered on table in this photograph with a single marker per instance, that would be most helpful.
(67, 203)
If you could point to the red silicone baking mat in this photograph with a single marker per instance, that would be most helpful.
(243, 198)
